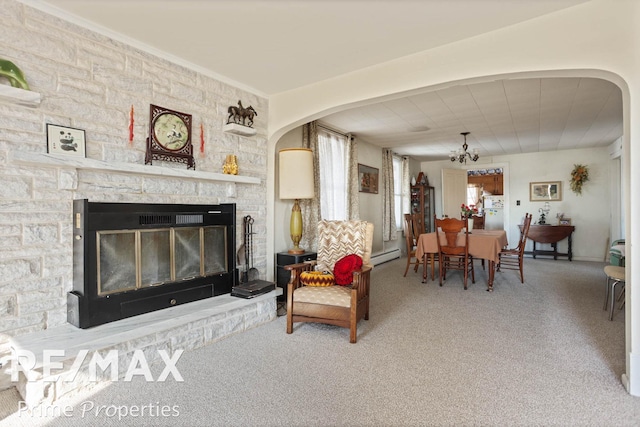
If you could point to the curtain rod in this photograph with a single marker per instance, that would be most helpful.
(327, 128)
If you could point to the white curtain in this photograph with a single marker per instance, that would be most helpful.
(333, 151)
(389, 230)
(406, 186)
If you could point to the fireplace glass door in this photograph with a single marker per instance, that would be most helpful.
(132, 259)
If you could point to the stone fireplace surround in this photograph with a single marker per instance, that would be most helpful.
(186, 326)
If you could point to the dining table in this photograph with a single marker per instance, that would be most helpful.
(483, 244)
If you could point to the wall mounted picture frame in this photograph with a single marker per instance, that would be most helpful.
(368, 178)
(549, 191)
(169, 137)
(66, 141)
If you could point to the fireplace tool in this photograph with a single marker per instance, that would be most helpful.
(251, 273)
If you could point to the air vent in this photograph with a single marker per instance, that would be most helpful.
(155, 219)
(189, 219)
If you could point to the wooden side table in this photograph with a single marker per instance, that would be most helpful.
(551, 234)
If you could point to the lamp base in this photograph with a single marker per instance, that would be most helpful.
(296, 228)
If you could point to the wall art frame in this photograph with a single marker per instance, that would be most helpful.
(368, 179)
(548, 191)
(169, 137)
(66, 141)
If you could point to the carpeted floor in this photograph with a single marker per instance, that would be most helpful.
(540, 353)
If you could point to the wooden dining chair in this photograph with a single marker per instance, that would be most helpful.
(412, 231)
(513, 259)
(453, 256)
(478, 222)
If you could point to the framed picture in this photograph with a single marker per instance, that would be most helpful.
(65, 140)
(565, 221)
(545, 191)
(368, 178)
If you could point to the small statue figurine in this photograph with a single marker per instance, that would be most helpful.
(241, 115)
(9, 70)
(230, 166)
(542, 220)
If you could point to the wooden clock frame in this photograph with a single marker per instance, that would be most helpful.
(167, 140)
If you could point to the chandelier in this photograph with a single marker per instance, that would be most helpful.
(461, 154)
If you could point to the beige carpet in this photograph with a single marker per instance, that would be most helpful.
(539, 353)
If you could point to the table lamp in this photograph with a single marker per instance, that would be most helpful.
(296, 182)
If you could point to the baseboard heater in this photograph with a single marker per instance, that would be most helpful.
(383, 257)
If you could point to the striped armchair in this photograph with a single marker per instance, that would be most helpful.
(335, 305)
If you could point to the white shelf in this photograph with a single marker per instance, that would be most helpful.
(51, 160)
(238, 129)
(19, 96)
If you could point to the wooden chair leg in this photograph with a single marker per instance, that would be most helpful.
(432, 257)
(408, 263)
(289, 311)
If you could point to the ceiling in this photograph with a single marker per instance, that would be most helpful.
(271, 46)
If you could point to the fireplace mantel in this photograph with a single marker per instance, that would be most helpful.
(56, 161)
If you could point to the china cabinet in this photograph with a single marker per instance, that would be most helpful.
(423, 202)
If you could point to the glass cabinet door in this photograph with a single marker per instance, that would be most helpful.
(423, 203)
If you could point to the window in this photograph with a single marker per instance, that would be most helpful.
(333, 154)
(397, 190)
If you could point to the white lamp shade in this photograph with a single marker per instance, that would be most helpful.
(296, 173)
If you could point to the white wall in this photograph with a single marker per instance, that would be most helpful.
(590, 213)
(371, 204)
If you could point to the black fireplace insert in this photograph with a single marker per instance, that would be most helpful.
(131, 258)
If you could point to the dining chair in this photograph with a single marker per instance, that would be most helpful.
(513, 259)
(478, 222)
(615, 275)
(451, 254)
(412, 231)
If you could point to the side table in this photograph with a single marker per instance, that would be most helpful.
(282, 275)
(551, 234)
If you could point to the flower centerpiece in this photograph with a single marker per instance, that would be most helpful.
(579, 175)
(468, 211)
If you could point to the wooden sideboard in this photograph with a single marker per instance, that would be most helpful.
(551, 234)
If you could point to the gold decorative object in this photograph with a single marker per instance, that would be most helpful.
(230, 165)
(579, 175)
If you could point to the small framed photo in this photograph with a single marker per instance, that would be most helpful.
(545, 191)
(368, 178)
(65, 140)
(565, 221)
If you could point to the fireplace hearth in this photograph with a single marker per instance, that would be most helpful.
(131, 258)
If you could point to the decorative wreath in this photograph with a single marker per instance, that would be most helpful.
(579, 175)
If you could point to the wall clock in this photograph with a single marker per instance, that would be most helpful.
(169, 137)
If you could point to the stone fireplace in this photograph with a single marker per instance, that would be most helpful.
(132, 258)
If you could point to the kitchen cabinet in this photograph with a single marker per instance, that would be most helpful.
(423, 202)
(492, 183)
